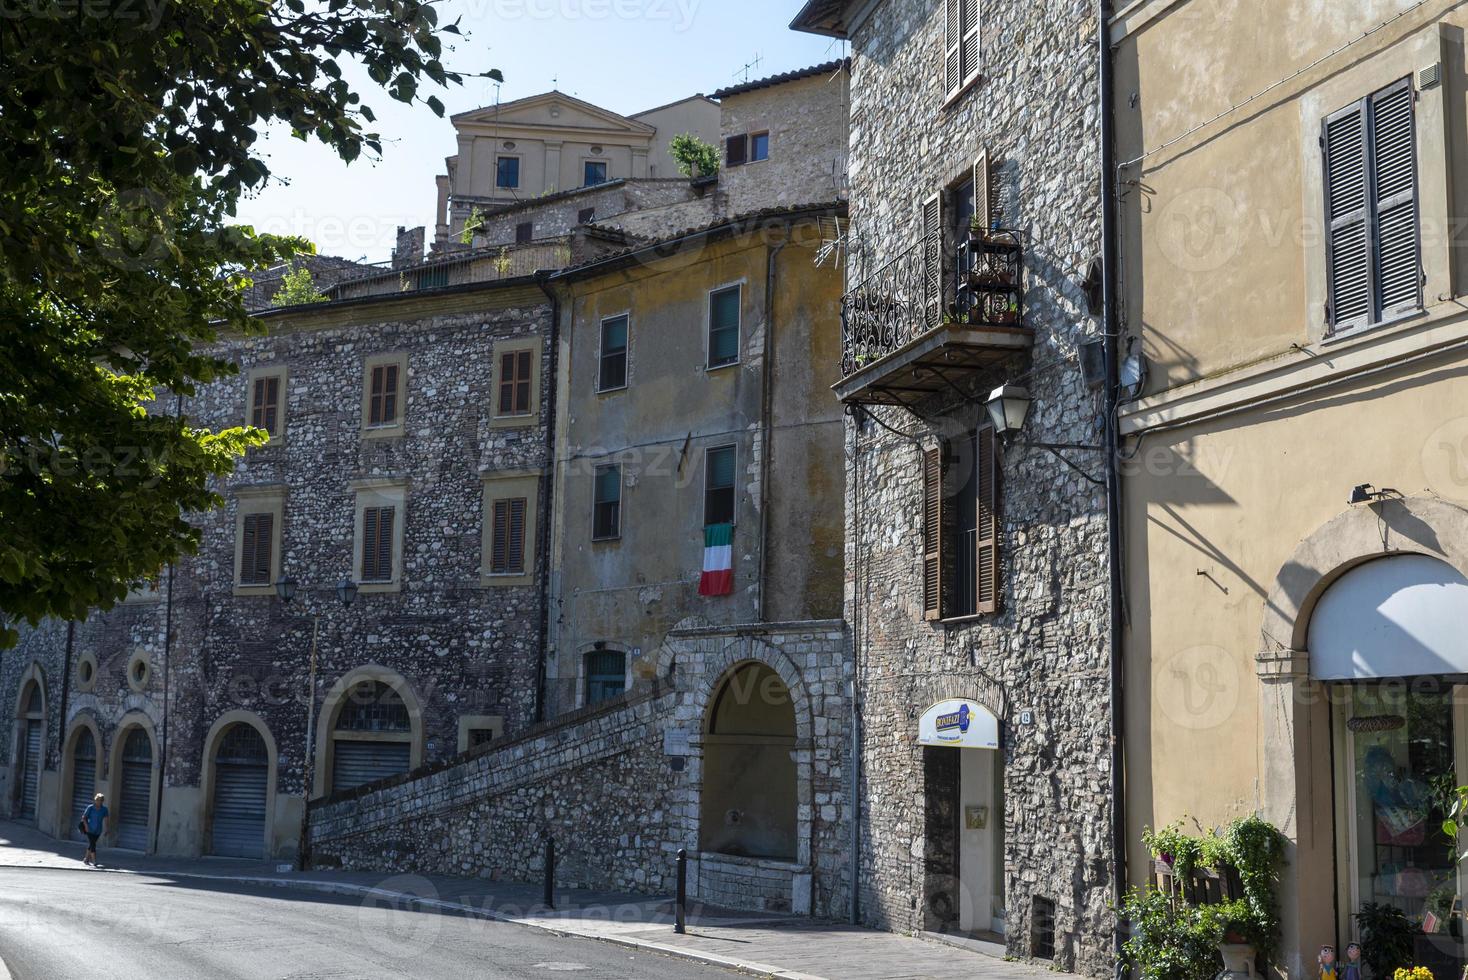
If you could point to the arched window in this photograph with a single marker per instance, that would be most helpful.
(32, 733)
(749, 798)
(83, 778)
(372, 738)
(135, 792)
(241, 785)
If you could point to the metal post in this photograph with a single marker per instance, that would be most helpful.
(308, 769)
(680, 905)
(550, 872)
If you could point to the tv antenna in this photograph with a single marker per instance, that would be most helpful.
(749, 66)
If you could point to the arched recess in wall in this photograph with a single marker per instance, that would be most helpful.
(30, 743)
(81, 771)
(370, 727)
(133, 768)
(238, 786)
(750, 800)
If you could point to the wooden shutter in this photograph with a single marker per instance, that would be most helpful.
(1348, 252)
(390, 394)
(968, 48)
(257, 541)
(983, 192)
(952, 44)
(508, 545)
(932, 533)
(1397, 265)
(522, 383)
(377, 544)
(265, 404)
(986, 543)
(932, 229)
(736, 150)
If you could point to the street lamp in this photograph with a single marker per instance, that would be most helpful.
(285, 588)
(346, 591)
(1009, 407)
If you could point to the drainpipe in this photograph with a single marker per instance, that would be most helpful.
(1111, 327)
(550, 383)
(61, 721)
(167, 646)
(767, 398)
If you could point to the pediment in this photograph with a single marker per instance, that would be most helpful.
(553, 110)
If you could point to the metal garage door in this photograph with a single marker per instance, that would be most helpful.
(83, 779)
(137, 789)
(241, 770)
(30, 768)
(355, 763)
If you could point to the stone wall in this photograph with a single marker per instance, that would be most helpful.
(618, 785)
(1041, 663)
(460, 647)
(806, 120)
(326, 271)
(559, 214)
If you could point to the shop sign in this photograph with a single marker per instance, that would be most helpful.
(960, 724)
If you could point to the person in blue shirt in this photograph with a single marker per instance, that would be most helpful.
(94, 821)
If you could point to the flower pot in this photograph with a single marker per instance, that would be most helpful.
(1238, 960)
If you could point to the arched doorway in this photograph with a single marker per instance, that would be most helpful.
(135, 789)
(749, 800)
(1385, 638)
(371, 737)
(32, 729)
(83, 778)
(241, 793)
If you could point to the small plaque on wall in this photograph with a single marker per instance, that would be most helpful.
(976, 817)
(676, 741)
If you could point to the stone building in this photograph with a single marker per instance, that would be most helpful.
(977, 575)
(410, 433)
(1293, 286)
(784, 138)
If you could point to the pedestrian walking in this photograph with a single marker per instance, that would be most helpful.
(93, 822)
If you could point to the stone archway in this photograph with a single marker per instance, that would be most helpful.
(28, 754)
(339, 696)
(1295, 782)
(81, 772)
(209, 783)
(133, 771)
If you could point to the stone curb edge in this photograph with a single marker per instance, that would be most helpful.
(368, 891)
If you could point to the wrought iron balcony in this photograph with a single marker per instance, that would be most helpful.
(917, 325)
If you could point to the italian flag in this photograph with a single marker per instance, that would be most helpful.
(718, 560)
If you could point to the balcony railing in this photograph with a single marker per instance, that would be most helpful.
(888, 309)
(483, 265)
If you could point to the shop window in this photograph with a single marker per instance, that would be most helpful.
(606, 675)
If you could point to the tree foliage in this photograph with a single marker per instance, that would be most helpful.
(131, 130)
(298, 288)
(694, 157)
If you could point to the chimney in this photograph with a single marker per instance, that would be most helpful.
(409, 250)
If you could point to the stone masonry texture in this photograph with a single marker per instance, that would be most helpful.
(1041, 663)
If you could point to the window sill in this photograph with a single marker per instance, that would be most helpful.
(383, 431)
(966, 620)
(711, 368)
(369, 588)
(612, 391)
(258, 591)
(1365, 328)
(513, 421)
(614, 540)
(505, 580)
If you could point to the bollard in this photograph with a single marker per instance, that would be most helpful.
(680, 904)
(550, 872)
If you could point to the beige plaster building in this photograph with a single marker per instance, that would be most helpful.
(551, 143)
(1296, 539)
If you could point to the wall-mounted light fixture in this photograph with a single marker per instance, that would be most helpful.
(1365, 493)
(1009, 407)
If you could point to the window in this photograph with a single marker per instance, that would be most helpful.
(377, 544)
(383, 394)
(586, 216)
(507, 172)
(606, 517)
(1373, 244)
(612, 371)
(266, 390)
(378, 536)
(257, 540)
(736, 150)
(480, 736)
(514, 384)
(961, 46)
(595, 172)
(718, 486)
(257, 547)
(724, 325)
(524, 233)
(477, 730)
(510, 498)
(606, 675)
(961, 527)
(759, 147)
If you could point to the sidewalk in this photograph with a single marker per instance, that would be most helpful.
(759, 943)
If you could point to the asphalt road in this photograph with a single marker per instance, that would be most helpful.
(66, 924)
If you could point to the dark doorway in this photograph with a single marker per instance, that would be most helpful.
(940, 853)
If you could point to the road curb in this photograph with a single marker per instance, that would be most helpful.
(369, 891)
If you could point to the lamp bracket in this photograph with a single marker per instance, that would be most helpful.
(1054, 449)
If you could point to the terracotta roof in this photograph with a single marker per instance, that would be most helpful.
(828, 68)
(728, 224)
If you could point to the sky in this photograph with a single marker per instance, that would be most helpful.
(623, 55)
